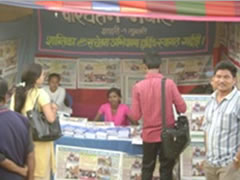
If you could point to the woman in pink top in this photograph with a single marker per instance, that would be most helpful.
(114, 111)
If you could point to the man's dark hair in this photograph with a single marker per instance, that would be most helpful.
(226, 65)
(152, 60)
(50, 76)
(3, 89)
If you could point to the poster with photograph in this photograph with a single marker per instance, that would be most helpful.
(234, 41)
(191, 70)
(67, 68)
(132, 167)
(192, 161)
(99, 73)
(132, 66)
(130, 81)
(195, 110)
(84, 163)
(11, 79)
(8, 61)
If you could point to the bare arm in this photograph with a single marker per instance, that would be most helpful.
(97, 117)
(11, 166)
(31, 166)
(132, 120)
(50, 111)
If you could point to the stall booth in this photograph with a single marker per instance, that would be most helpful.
(97, 45)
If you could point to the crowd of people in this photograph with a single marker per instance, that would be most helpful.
(22, 158)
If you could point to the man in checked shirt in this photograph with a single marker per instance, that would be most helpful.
(222, 126)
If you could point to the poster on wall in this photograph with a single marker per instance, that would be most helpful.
(196, 105)
(132, 66)
(99, 73)
(130, 81)
(67, 68)
(8, 61)
(190, 70)
(191, 161)
(233, 44)
(83, 163)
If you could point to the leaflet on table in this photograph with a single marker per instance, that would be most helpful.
(74, 121)
(136, 135)
(95, 132)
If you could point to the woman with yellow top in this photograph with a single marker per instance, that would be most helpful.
(27, 93)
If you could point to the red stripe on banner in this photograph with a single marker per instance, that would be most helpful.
(220, 8)
(78, 5)
(50, 3)
(237, 8)
(133, 6)
(168, 7)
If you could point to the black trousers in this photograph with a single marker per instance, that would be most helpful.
(150, 152)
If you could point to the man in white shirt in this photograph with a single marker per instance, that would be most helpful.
(56, 92)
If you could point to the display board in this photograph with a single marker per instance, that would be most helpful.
(9, 61)
(191, 161)
(67, 68)
(88, 163)
(81, 34)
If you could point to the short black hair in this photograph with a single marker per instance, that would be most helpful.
(3, 89)
(50, 76)
(116, 90)
(226, 65)
(152, 60)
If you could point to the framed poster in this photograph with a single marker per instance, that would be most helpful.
(9, 61)
(196, 105)
(191, 161)
(190, 70)
(130, 81)
(98, 73)
(67, 68)
(84, 163)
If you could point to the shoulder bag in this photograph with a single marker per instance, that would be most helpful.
(174, 139)
(42, 130)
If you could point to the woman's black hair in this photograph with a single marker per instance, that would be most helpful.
(115, 90)
(29, 77)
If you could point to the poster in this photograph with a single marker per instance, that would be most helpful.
(234, 41)
(99, 73)
(190, 70)
(67, 68)
(132, 167)
(133, 66)
(192, 161)
(130, 81)
(196, 105)
(87, 164)
(8, 61)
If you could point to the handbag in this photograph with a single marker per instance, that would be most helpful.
(42, 130)
(174, 139)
